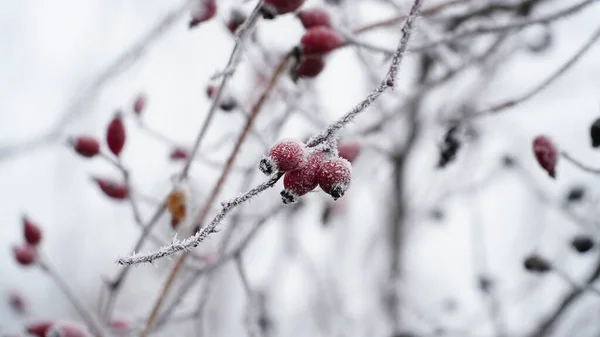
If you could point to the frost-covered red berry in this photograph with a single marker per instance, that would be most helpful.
(272, 8)
(334, 176)
(66, 329)
(85, 146)
(203, 11)
(314, 17)
(112, 189)
(31, 232)
(297, 183)
(236, 19)
(286, 155)
(139, 104)
(349, 151)
(320, 40)
(38, 328)
(546, 154)
(25, 254)
(115, 135)
(309, 66)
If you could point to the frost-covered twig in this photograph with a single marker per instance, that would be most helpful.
(330, 133)
(193, 241)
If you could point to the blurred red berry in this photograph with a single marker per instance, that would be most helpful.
(39, 328)
(310, 66)
(211, 90)
(139, 104)
(16, 302)
(115, 135)
(285, 155)
(273, 8)
(349, 151)
(119, 325)
(66, 329)
(31, 232)
(112, 189)
(204, 11)
(179, 154)
(25, 254)
(320, 40)
(334, 176)
(314, 17)
(236, 19)
(85, 146)
(546, 154)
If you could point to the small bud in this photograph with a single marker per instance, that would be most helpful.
(17, 302)
(536, 264)
(31, 232)
(112, 189)
(271, 8)
(334, 176)
(139, 104)
(39, 328)
(449, 147)
(204, 11)
(546, 154)
(228, 104)
(320, 40)
(314, 17)
(85, 146)
(176, 206)
(595, 133)
(25, 255)
(576, 193)
(582, 243)
(178, 154)
(211, 90)
(115, 135)
(236, 19)
(349, 151)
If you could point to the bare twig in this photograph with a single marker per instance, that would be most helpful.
(579, 164)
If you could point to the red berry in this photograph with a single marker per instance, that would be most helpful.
(278, 7)
(139, 104)
(297, 183)
(349, 151)
(334, 176)
(179, 154)
(25, 254)
(119, 325)
(236, 19)
(204, 11)
(39, 328)
(16, 302)
(115, 135)
(112, 189)
(546, 154)
(85, 146)
(211, 90)
(286, 155)
(314, 17)
(31, 232)
(66, 329)
(310, 66)
(320, 40)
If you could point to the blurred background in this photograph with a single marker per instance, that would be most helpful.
(412, 249)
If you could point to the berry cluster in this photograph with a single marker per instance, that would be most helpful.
(305, 170)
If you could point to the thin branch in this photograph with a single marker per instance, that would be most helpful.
(579, 164)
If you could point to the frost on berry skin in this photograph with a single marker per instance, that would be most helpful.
(203, 11)
(25, 255)
(320, 40)
(334, 176)
(349, 151)
(297, 183)
(314, 17)
(595, 133)
(236, 19)
(66, 329)
(85, 146)
(115, 135)
(272, 8)
(112, 189)
(31, 232)
(139, 104)
(38, 328)
(286, 155)
(546, 154)
(308, 67)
